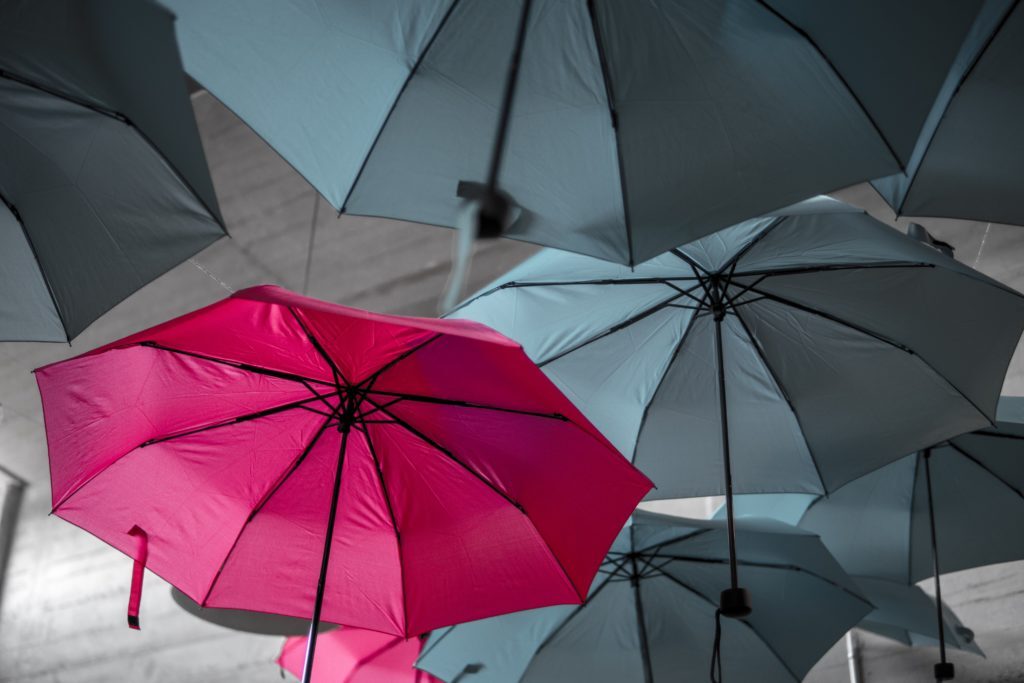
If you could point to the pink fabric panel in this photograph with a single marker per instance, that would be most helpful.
(576, 492)
(258, 332)
(465, 369)
(361, 345)
(98, 408)
(276, 563)
(352, 655)
(191, 495)
(466, 552)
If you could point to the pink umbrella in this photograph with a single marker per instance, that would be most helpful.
(276, 453)
(355, 655)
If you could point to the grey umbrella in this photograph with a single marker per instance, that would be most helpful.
(634, 127)
(789, 353)
(969, 159)
(649, 612)
(103, 183)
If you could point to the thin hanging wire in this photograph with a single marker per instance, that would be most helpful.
(210, 275)
(312, 240)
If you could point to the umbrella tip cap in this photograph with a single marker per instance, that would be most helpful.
(735, 603)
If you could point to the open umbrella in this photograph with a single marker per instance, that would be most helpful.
(969, 157)
(906, 614)
(953, 506)
(103, 183)
(634, 127)
(789, 353)
(650, 608)
(353, 655)
(277, 453)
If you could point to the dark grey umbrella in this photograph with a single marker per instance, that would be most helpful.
(103, 183)
(634, 127)
(969, 159)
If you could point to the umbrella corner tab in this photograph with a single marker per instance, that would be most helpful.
(138, 573)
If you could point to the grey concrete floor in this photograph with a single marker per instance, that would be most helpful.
(62, 610)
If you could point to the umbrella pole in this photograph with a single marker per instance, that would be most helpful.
(314, 624)
(944, 670)
(734, 601)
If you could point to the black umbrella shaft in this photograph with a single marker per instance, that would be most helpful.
(641, 623)
(724, 415)
(314, 624)
(935, 555)
(511, 80)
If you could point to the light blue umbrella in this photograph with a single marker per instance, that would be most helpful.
(953, 506)
(969, 157)
(906, 614)
(635, 126)
(103, 183)
(651, 608)
(794, 352)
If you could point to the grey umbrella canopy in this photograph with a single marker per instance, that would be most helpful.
(969, 158)
(907, 614)
(953, 506)
(102, 176)
(793, 352)
(635, 126)
(651, 610)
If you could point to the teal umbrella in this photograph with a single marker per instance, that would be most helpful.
(969, 158)
(953, 506)
(652, 606)
(906, 614)
(634, 126)
(103, 183)
(794, 352)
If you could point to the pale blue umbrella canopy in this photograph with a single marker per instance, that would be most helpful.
(635, 126)
(793, 352)
(650, 613)
(969, 157)
(962, 497)
(846, 346)
(103, 182)
(907, 614)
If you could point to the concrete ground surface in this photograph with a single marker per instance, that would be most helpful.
(62, 609)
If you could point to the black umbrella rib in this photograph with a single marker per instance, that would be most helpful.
(118, 116)
(339, 376)
(782, 390)
(35, 255)
(394, 105)
(745, 622)
(963, 78)
(690, 261)
(293, 405)
(985, 467)
(609, 92)
(417, 398)
(269, 372)
(99, 109)
(758, 565)
(367, 383)
(391, 513)
(671, 361)
(262, 502)
(853, 94)
(613, 329)
(578, 609)
(641, 622)
(745, 249)
(444, 451)
(863, 330)
(824, 268)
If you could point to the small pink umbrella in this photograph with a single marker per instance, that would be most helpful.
(277, 453)
(355, 655)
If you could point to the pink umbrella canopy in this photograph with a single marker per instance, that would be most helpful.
(211, 448)
(354, 655)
